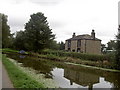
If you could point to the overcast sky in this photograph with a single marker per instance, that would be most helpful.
(66, 16)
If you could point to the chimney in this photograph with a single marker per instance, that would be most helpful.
(73, 35)
(93, 34)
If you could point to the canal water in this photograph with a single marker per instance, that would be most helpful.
(70, 76)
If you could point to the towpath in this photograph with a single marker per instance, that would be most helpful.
(4, 78)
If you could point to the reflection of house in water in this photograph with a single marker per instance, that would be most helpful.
(81, 78)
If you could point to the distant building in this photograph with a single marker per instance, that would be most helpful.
(84, 43)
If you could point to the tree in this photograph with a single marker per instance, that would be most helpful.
(103, 48)
(117, 61)
(62, 45)
(6, 36)
(19, 41)
(111, 45)
(54, 45)
(38, 33)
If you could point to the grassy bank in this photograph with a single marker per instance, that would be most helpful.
(8, 50)
(18, 77)
(99, 68)
(103, 61)
(98, 63)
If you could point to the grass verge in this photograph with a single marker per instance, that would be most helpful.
(8, 50)
(19, 78)
(105, 69)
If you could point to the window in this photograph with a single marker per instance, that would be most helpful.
(69, 43)
(78, 43)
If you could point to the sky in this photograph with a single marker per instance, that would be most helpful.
(119, 13)
(66, 16)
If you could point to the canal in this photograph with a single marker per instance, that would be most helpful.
(70, 76)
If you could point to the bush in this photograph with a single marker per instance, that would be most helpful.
(91, 57)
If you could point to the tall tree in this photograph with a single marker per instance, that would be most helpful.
(117, 62)
(6, 36)
(38, 33)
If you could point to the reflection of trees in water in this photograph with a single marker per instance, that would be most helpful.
(87, 77)
(42, 66)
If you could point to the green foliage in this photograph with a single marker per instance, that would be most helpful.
(20, 40)
(6, 36)
(6, 50)
(117, 61)
(54, 45)
(104, 61)
(19, 78)
(61, 45)
(111, 45)
(38, 34)
(103, 48)
(91, 57)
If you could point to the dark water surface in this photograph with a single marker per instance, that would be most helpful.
(70, 76)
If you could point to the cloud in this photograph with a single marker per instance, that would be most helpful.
(66, 16)
(16, 21)
(46, 2)
(13, 1)
(57, 24)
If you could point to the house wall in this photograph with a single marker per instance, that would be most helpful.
(83, 46)
(93, 46)
(87, 46)
(66, 45)
(74, 45)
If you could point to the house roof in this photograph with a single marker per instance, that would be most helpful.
(83, 37)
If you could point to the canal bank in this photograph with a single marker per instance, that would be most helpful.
(103, 64)
(18, 77)
(68, 75)
(93, 67)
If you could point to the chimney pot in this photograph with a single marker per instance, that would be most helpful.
(93, 34)
(73, 35)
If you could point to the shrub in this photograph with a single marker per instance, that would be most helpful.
(91, 57)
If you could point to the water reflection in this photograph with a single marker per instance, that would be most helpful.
(70, 76)
(22, 56)
(81, 78)
(92, 78)
(103, 83)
